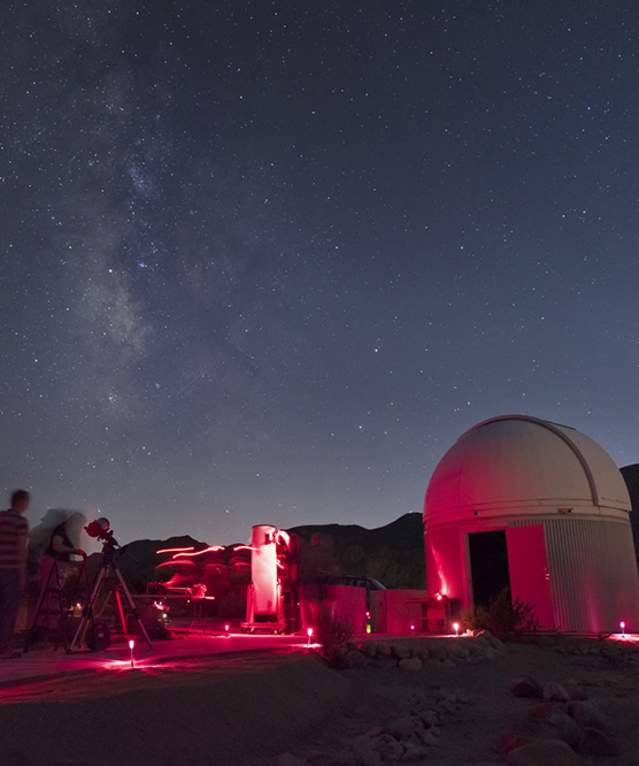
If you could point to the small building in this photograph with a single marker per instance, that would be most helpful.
(542, 509)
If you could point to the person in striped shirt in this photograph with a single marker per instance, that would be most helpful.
(14, 531)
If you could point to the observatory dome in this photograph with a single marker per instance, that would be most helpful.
(520, 465)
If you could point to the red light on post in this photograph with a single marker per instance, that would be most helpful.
(456, 628)
(622, 625)
(309, 633)
(412, 627)
(227, 627)
(131, 647)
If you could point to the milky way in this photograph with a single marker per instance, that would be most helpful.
(266, 261)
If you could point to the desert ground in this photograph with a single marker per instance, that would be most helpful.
(430, 701)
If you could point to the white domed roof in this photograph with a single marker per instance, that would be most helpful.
(516, 464)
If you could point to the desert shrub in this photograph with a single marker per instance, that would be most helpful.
(504, 617)
(332, 634)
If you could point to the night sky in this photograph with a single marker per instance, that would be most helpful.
(266, 261)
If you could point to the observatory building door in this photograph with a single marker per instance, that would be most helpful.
(488, 565)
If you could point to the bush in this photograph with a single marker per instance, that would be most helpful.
(332, 634)
(504, 617)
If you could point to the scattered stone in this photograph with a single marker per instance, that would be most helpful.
(287, 759)
(565, 728)
(587, 714)
(403, 728)
(526, 686)
(428, 718)
(384, 649)
(489, 654)
(411, 663)
(596, 742)
(543, 752)
(414, 752)
(555, 692)
(370, 648)
(388, 748)
(448, 664)
(575, 691)
(510, 742)
(541, 712)
(354, 659)
(401, 652)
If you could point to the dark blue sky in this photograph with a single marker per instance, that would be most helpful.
(266, 261)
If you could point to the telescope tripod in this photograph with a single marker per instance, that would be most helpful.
(108, 585)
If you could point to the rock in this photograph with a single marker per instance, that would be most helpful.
(448, 664)
(412, 663)
(414, 752)
(438, 650)
(596, 742)
(364, 751)
(423, 654)
(370, 648)
(401, 652)
(403, 728)
(565, 728)
(510, 742)
(543, 752)
(555, 692)
(526, 686)
(489, 654)
(428, 718)
(575, 691)
(541, 712)
(384, 649)
(286, 759)
(587, 714)
(388, 748)
(354, 659)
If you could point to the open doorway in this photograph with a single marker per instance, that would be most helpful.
(488, 565)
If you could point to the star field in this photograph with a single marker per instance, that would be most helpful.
(265, 261)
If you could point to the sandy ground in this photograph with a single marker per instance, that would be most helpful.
(245, 709)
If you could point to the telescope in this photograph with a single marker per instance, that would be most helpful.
(100, 529)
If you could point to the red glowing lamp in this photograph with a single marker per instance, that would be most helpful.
(309, 633)
(456, 628)
(622, 626)
(439, 597)
(131, 647)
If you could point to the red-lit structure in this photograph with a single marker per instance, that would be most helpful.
(523, 503)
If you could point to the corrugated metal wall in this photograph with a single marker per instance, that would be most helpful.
(593, 574)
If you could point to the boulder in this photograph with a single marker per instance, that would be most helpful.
(414, 751)
(428, 718)
(587, 714)
(575, 690)
(510, 742)
(596, 742)
(401, 652)
(384, 649)
(354, 659)
(489, 654)
(388, 749)
(543, 752)
(370, 648)
(448, 664)
(411, 664)
(403, 728)
(555, 692)
(565, 728)
(526, 686)
(541, 712)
